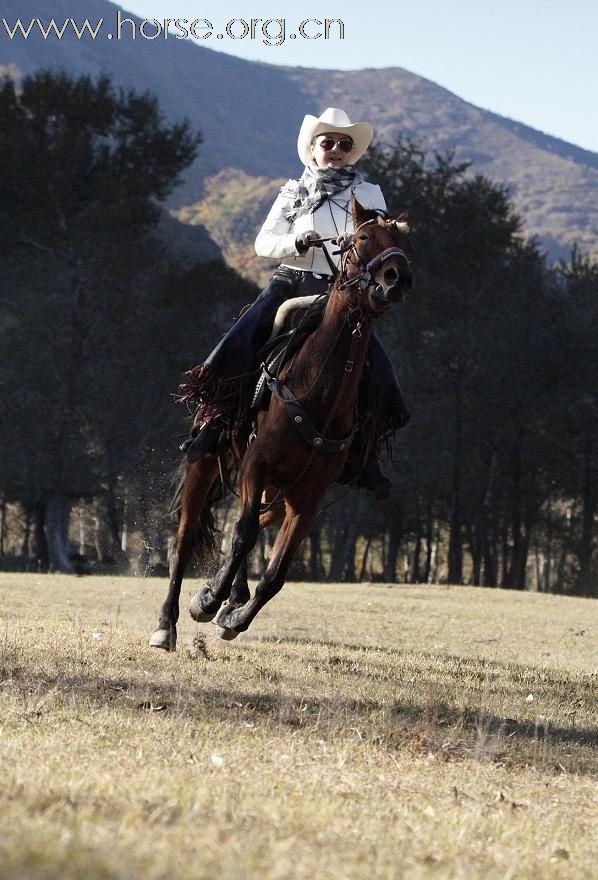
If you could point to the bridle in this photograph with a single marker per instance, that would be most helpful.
(364, 279)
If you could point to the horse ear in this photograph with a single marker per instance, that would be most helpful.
(403, 218)
(360, 214)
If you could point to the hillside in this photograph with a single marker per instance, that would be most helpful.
(249, 114)
(232, 210)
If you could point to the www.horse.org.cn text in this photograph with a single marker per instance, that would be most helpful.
(269, 31)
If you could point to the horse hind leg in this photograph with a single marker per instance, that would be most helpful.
(193, 536)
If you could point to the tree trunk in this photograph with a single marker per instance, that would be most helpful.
(488, 578)
(455, 550)
(519, 575)
(475, 545)
(58, 511)
(489, 551)
(429, 544)
(25, 551)
(515, 575)
(414, 573)
(82, 531)
(583, 584)
(2, 525)
(342, 563)
(112, 520)
(40, 544)
(547, 573)
(566, 548)
(504, 552)
(394, 542)
(315, 555)
(365, 558)
(435, 555)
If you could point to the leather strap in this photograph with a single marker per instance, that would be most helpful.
(301, 421)
(330, 261)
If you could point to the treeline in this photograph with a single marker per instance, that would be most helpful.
(494, 480)
(97, 320)
(496, 476)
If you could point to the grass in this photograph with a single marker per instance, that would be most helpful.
(355, 732)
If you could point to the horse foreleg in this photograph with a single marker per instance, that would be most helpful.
(206, 602)
(239, 593)
(191, 537)
(295, 527)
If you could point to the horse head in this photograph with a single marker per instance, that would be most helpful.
(377, 259)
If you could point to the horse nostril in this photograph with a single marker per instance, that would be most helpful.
(391, 276)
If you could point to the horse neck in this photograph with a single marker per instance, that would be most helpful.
(321, 366)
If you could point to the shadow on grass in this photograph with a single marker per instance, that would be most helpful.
(428, 725)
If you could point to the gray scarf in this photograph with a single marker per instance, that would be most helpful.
(316, 185)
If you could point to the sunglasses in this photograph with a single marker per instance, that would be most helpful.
(345, 144)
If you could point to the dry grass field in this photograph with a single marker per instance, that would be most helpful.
(361, 731)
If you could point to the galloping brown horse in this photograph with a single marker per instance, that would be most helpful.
(318, 388)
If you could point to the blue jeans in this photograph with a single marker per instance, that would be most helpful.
(237, 352)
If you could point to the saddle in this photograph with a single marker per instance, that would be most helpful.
(290, 332)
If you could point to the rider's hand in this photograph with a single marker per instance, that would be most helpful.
(305, 240)
(343, 240)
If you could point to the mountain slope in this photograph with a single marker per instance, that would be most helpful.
(249, 114)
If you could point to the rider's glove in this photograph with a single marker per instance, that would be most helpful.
(305, 240)
(343, 240)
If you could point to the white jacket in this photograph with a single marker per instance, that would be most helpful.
(276, 238)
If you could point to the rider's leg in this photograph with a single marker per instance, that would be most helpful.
(222, 385)
(219, 382)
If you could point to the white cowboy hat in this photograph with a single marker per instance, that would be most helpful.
(334, 121)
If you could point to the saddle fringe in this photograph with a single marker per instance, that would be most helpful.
(212, 396)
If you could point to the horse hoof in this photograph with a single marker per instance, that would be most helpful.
(164, 639)
(227, 634)
(197, 612)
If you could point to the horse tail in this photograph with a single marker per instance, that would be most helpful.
(195, 491)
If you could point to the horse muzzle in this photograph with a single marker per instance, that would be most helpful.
(391, 285)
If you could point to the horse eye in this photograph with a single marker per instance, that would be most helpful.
(363, 238)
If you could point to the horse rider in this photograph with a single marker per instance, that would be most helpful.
(316, 206)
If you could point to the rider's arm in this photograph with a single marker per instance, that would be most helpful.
(276, 238)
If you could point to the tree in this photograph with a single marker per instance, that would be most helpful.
(579, 388)
(83, 169)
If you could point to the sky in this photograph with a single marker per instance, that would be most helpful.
(535, 61)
